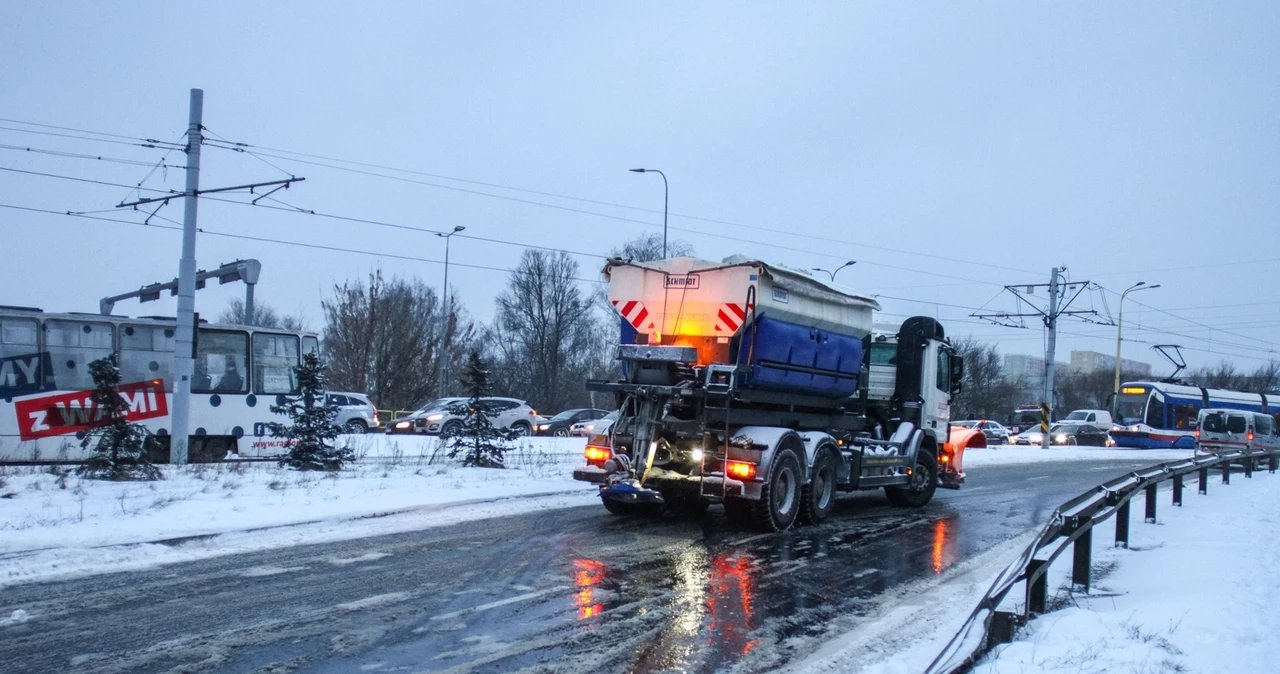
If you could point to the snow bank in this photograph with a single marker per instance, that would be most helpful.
(1192, 593)
(53, 523)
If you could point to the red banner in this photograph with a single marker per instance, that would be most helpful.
(66, 413)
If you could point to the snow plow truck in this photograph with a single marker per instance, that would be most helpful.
(767, 390)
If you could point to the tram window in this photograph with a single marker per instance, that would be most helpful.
(274, 358)
(221, 359)
(1155, 412)
(19, 355)
(1184, 416)
(146, 353)
(310, 345)
(72, 345)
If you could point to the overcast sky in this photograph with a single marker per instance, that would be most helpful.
(949, 148)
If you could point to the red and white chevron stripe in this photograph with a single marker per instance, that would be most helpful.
(635, 313)
(730, 317)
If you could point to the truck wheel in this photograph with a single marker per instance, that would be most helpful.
(818, 498)
(779, 503)
(924, 481)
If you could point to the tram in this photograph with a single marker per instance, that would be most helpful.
(45, 385)
(1151, 415)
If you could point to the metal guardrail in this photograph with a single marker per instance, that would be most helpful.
(1072, 524)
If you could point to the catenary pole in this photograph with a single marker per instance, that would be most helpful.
(1050, 322)
(184, 337)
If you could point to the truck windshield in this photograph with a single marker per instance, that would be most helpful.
(884, 354)
(1130, 407)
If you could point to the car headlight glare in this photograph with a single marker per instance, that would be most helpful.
(435, 417)
(1061, 437)
(402, 424)
(544, 427)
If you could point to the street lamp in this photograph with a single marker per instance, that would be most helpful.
(444, 348)
(665, 193)
(850, 263)
(1115, 397)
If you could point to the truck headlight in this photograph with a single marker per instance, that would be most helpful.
(696, 455)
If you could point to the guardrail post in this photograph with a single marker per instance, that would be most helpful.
(1177, 490)
(1273, 463)
(1151, 503)
(1038, 589)
(1083, 559)
(1248, 467)
(1204, 480)
(1003, 624)
(1226, 472)
(1122, 525)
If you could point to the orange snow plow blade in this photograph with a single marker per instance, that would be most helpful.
(951, 460)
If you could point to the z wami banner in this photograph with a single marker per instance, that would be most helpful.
(65, 413)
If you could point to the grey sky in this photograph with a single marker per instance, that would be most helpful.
(1134, 142)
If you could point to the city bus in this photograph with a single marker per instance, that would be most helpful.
(45, 385)
(1153, 415)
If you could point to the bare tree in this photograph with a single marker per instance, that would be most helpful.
(648, 247)
(1224, 375)
(263, 316)
(385, 338)
(985, 392)
(544, 341)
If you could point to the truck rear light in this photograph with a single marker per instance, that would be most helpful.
(741, 470)
(596, 456)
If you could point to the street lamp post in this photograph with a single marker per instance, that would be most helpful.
(1115, 396)
(666, 192)
(444, 333)
(850, 263)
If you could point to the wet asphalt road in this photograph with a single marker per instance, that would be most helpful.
(563, 590)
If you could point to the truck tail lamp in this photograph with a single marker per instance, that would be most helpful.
(596, 456)
(741, 470)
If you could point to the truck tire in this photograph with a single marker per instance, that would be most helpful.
(779, 503)
(924, 481)
(818, 498)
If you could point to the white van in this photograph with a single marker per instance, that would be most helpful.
(1219, 429)
(1098, 418)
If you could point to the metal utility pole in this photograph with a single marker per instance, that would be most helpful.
(1050, 352)
(184, 336)
(444, 332)
(1115, 394)
(1057, 308)
(666, 192)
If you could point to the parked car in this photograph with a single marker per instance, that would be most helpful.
(560, 423)
(1227, 429)
(996, 433)
(355, 413)
(1080, 434)
(1066, 434)
(444, 416)
(584, 429)
(1098, 418)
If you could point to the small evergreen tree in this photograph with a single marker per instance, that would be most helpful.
(479, 443)
(313, 431)
(119, 447)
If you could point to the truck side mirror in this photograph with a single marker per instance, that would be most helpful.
(957, 373)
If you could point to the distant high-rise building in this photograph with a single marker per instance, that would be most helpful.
(1030, 371)
(1092, 361)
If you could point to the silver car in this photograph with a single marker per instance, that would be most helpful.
(355, 413)
(445, 416)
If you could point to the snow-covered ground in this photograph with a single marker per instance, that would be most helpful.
(1191, 594)
(54, 524)
(1013, 454)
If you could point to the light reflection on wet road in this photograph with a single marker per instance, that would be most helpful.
(559, 591)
